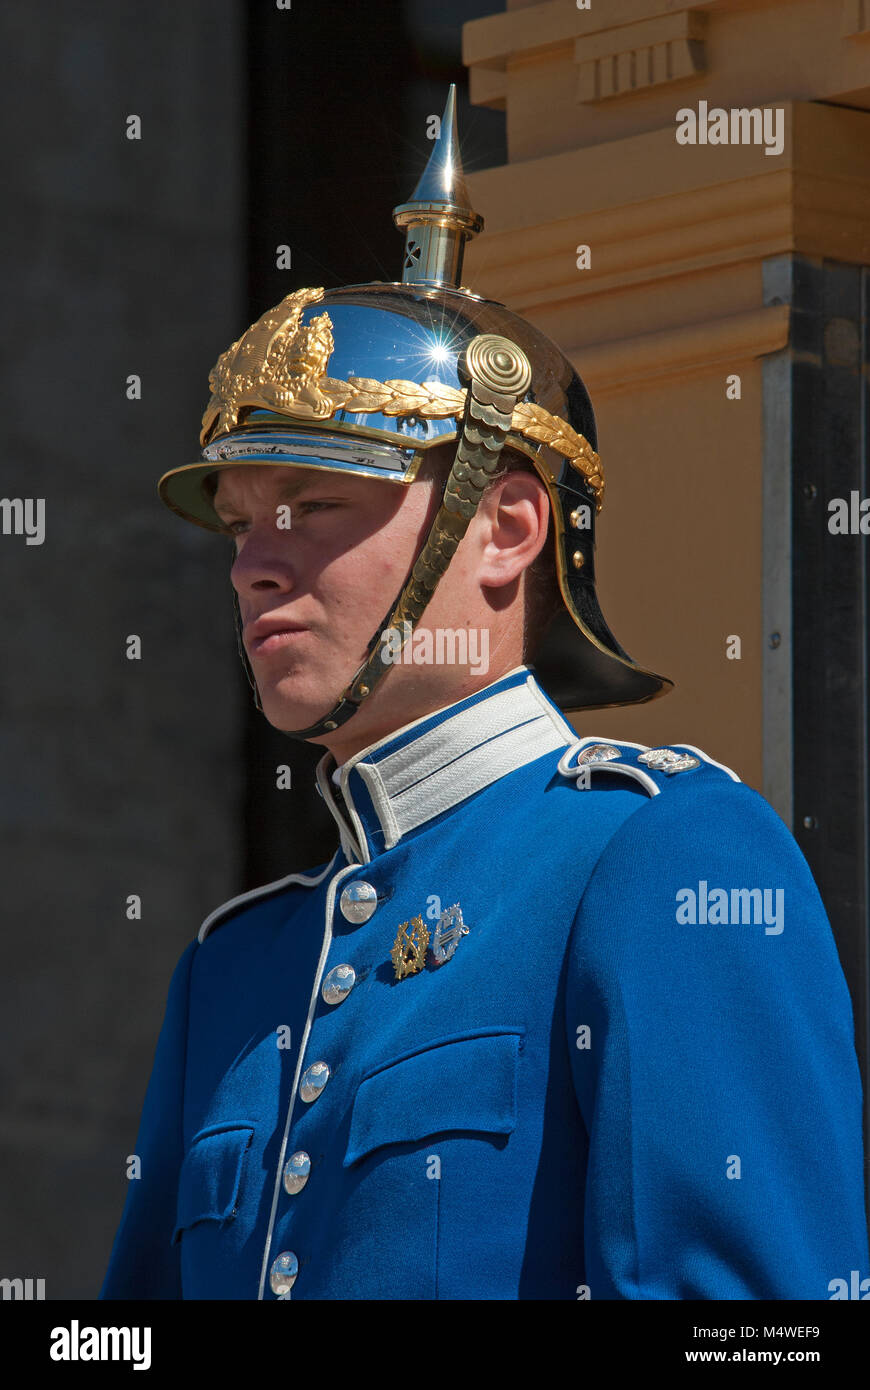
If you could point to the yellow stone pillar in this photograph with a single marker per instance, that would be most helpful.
(671, 305)
(686, 211)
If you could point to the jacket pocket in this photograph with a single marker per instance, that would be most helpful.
(211, 1175)
(464, 1082)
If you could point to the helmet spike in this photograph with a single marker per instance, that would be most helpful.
(438, 219)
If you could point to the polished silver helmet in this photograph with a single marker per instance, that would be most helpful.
(365, 378)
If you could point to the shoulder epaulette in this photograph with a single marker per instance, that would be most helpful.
(653, 768)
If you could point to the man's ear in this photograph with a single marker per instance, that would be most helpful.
(515, 515)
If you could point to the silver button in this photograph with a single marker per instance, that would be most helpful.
(597, 753)
(338, 984)
(296, 1171)
(282, 1275)
(358, 901)
(313, 1081)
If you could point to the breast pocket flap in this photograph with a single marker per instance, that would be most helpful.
(460, 1083)
(211, 1175)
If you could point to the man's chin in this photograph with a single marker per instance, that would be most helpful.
(288, 708)
(289, 715)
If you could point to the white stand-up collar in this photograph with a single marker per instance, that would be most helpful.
(429, 766)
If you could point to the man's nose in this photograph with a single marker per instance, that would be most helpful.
(264, 560)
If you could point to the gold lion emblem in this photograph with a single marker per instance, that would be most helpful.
(276, 365)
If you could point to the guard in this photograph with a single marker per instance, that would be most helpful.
(562, 1017)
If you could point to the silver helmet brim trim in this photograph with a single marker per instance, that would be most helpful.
(182, 489)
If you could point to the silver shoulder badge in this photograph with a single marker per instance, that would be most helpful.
(667, 760)
(591, 754)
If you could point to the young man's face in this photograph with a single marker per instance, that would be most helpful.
(312, 596)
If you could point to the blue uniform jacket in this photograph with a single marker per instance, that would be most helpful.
(634, 1077)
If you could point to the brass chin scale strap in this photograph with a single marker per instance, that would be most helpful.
(498, 374)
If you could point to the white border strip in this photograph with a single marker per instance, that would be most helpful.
(318, 975)
(637, 773)
(307, 881)
(712, 761)
(559, 722)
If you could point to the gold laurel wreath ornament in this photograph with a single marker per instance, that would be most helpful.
(279, 364)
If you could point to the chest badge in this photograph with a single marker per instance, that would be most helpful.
(409, 950)
(449, 928)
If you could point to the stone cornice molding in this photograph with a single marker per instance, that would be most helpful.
(650, 36)
(612, 369)
(650, 53)
(651, 44)
(651, 210)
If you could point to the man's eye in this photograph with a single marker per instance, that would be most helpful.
(238, 528)
(306, 506)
